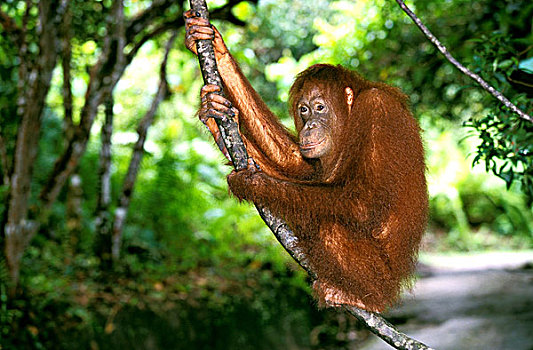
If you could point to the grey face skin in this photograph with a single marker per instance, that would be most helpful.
(317, 116)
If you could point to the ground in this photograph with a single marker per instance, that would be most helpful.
(469, 301)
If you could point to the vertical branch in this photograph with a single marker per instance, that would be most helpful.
(104, 197)
(103, 216)
(66, 61)
(138, 153)
(208, 65)
(18, 229)
(24, 64)
(498, 95)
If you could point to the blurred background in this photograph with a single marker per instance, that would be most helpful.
(117, 227)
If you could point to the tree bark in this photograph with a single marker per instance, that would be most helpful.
(103, 222)
(19, 230)
(208, 65)
(66, 61)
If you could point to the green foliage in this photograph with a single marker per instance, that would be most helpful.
(471, 210)
(506, 140)
(8, 314)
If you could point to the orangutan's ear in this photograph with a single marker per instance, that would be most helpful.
(348, 92)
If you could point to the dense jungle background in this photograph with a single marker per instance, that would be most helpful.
(117, 230)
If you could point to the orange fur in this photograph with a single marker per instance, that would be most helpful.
(360, 212)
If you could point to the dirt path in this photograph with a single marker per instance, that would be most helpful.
(482, 301)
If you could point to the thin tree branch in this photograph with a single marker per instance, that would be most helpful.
(66, 61)
(287, 239)
(102, 220)
(237, 150)
(462, 68)
(138, 152)
(104, 183)
(385, 330)
(145, 18)
(176, 23)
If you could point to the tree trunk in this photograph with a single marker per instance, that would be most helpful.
(19, 229)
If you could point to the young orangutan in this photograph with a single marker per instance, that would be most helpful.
(350, 184)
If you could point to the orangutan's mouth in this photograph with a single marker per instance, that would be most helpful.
(312, 145)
